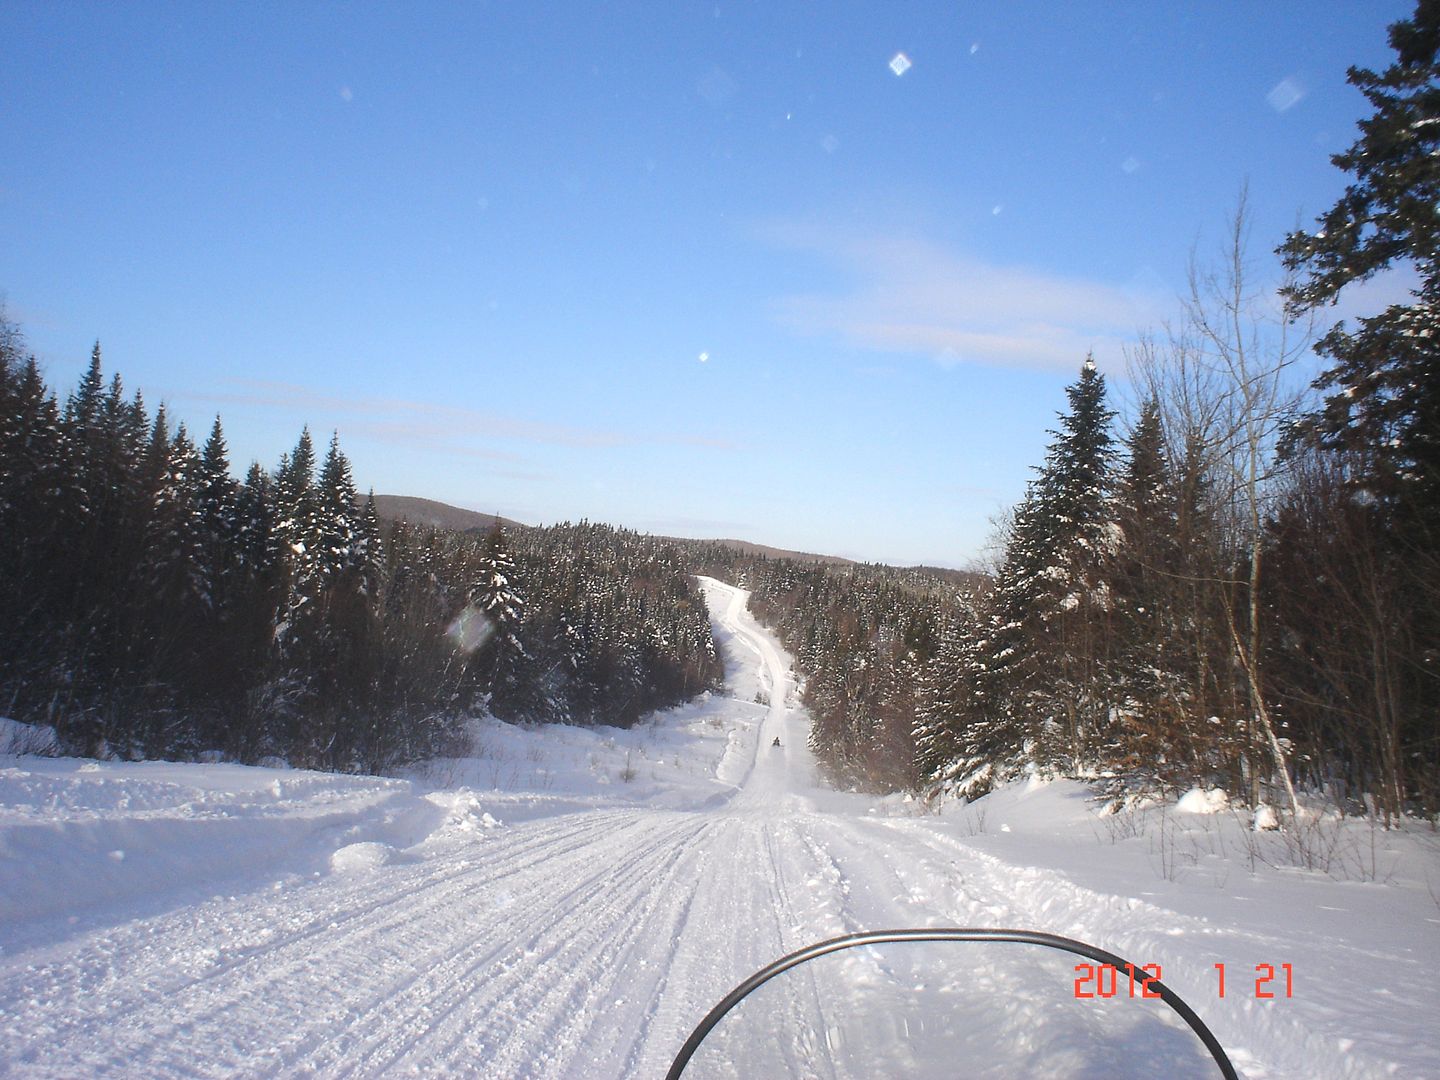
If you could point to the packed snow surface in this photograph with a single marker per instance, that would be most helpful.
(570, 902)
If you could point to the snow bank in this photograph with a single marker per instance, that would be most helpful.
(1200, 801)
(77, 836)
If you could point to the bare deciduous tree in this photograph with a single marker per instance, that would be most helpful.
(1226, 382)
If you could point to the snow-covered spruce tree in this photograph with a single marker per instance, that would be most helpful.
(85, 443)
(370, 548)
(103, 516)
(174, 563)
(341, 637)
(337, 517)
(935, 731)
(256, 543)
(416, 680)
(216, 516)
(1149, 739)
(891, 758)
(962, 738)
(496, 667)
(1052, 639)
(167, 613)
(286, 692)
(992, 744)
(296, 528)
(29, 444)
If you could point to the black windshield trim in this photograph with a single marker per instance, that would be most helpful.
(880, 937)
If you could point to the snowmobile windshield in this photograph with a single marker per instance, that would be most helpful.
(953, 1003)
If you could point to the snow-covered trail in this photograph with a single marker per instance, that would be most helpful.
(589, 943)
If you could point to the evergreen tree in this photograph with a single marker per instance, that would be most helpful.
(370, 553)
(1386, 376)
(82, 408)
(31, 480)
(156, 455)
(175, 546)
(992, 743)
(1382, 414)
(493, 595)
(296, 531)
(939, 723)
(295, 496)
(1051, 636)
(32, 550)
(256, 541)
(1142, 573)
(337, 516)
(217, 516)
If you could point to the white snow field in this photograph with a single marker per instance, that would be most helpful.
(570, 902)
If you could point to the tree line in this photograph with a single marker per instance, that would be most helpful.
(151, 605)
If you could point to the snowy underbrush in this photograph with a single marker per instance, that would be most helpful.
(1202, 855)
(1186, 837)
(1202, 826)
(18, 739)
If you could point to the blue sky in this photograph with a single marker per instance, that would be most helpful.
(699, 269)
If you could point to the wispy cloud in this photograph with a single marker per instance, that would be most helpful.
(453, 428)
(911, 296)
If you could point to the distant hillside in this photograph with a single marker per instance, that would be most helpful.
(973, 579)
(444, 516)
(747, 548)
(440, 515)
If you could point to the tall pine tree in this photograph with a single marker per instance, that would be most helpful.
(1385, 381)
(1383, 405)
(1052, 637)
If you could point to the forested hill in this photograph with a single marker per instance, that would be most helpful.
(440, 515)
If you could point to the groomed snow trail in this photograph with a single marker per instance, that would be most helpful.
(586, 944)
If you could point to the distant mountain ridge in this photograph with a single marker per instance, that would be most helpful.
(419, 511)
(440, 515)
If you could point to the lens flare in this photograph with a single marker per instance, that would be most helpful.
(470, 630)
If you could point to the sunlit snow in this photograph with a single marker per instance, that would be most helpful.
(570, 901)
